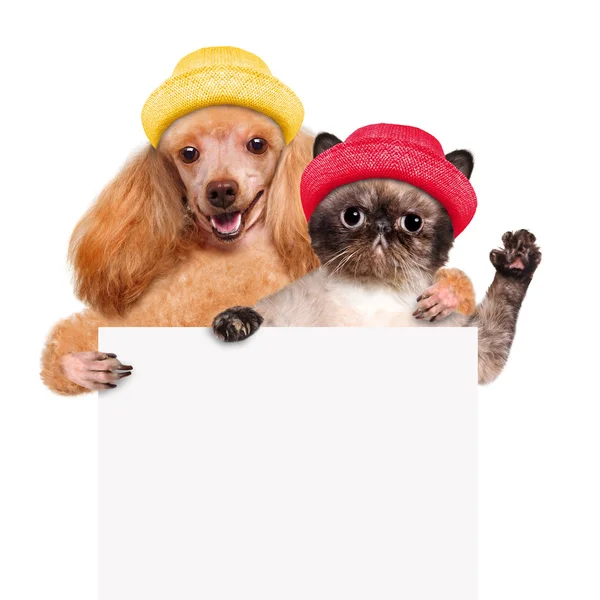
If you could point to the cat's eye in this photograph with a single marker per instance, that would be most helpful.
(411, 223)
(257, 145)
(352, 217)
(189, 154)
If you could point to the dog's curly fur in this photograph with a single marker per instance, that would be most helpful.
(140, 259)
(135, 232)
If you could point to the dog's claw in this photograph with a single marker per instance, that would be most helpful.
(94, 370)
(236, 324)
(432, 302)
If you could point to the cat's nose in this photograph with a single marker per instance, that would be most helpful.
(383, 226)
(222, 194)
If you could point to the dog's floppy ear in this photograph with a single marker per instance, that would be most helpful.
(130, 235)
(323, 142)
(285, 217)
(463, 160)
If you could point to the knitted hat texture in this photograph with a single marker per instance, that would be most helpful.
(385, 151)
(216, 76)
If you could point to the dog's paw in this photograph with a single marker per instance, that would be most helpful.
(520, 256)
(452, 292)
(436, 302)
(94, 370)
(236, 324)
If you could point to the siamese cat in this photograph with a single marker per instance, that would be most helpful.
(381, 242)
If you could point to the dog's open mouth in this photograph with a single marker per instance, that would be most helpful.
(227, 224)
(229, 227)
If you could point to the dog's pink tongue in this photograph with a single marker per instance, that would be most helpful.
(227, 222)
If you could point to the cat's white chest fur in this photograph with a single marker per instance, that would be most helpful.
(322, 300)
(373, 305)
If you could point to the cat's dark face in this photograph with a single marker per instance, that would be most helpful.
(382, 229)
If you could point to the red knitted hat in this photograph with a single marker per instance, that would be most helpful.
(391, 152)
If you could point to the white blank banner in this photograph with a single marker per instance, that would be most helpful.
(302, 464)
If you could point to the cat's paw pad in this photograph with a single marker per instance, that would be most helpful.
(236, 324)
(520, 256)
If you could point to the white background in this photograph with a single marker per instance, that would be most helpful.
(514, 82)
(354, 487)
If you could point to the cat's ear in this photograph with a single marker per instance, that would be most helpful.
(463, 161)
(323, 142)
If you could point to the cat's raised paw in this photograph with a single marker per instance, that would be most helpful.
(520, 256)
(236, 323)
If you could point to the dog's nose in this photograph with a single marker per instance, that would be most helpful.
(222, 193)
(383, 226)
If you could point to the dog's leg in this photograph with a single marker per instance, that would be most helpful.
(496, 316)
(236, 324)
(70, 363)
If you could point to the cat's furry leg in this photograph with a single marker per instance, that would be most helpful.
(496, 316)
(451, 292)
(236, 323)
(295, 305)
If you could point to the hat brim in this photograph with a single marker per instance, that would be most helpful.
(403, 161)
(214, 86)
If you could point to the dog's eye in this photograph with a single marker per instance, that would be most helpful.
(189, 154)
(411, 223)
(352, 217)
(257, 146)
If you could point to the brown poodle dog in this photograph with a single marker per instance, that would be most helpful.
(209, 219)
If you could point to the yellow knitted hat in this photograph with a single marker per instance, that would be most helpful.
(221, 75)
